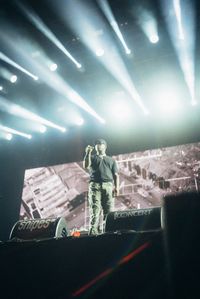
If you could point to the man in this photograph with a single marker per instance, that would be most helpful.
(103, 185)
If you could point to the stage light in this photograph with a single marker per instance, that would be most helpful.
(1, 87)
(53, 67)
(15, 132)
(78, 65)
(147, 21)
(52, 79)
(154, 38)
(177, 9)
(9, 136)
(85, 28)
(105, 7)
(43, 129)
(100, 52)
(63, 130)
(181, 27)
(36, 21)
(17, 110)
(16, 65)
(79, 121)
(13, 78)
(128, 51)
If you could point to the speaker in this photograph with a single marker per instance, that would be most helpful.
(181, 220)
(134, 219)
(39, 229)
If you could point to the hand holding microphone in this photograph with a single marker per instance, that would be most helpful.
(89, 149)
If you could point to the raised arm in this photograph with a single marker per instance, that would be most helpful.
(87, 158)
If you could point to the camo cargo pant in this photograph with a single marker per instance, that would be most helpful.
(100, 197)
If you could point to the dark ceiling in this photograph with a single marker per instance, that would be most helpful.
(155, 63)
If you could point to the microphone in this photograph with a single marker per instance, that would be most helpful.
(89, 148)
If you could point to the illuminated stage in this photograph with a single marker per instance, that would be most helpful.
(72, 71)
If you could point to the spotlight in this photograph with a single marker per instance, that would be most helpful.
(128, 51)
(79, 121)
(53, 67)
(182, 22)
(43, 129)
(16, 65)
(79, 65)
(154, 39)
(36, 78)
(13, 79)
(63, 129)
(13, 131)
(1, 88)
(100, 52)
(9, 136)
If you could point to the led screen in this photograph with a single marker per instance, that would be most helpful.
(145, 177)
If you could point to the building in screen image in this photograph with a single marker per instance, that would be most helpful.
(145, 177)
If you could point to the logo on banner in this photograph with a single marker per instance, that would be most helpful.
(126, 214)
(33, 225)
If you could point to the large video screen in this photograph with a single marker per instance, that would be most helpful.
(145, 177)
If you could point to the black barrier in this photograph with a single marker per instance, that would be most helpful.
(39, 229)
(134, 219)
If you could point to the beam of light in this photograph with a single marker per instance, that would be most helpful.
(15, 132)
(36, 21)
(177, 9)
(148, 23)
(16, 65)
(52, 79)
(185, 48)
(104, 5)
(17, 110)
(86, 28)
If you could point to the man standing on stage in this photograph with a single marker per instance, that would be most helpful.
(103, 185)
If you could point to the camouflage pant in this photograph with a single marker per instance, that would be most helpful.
(100, 197)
